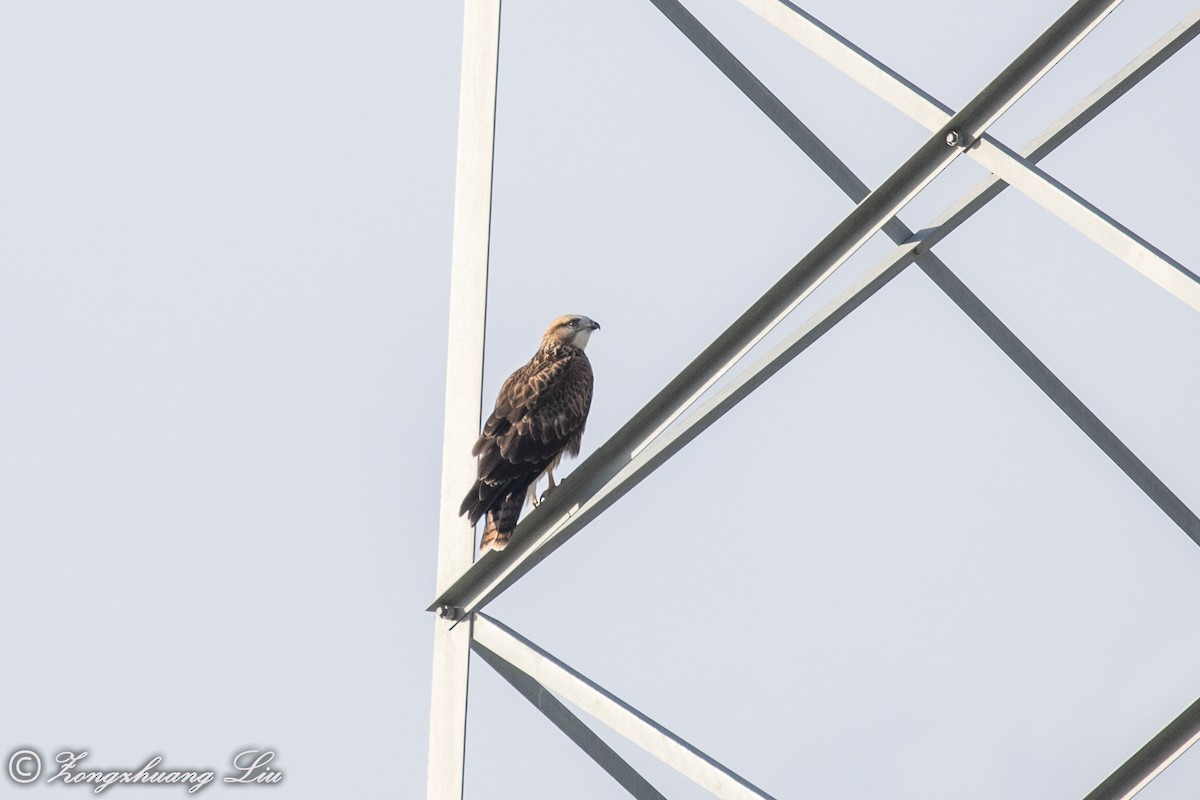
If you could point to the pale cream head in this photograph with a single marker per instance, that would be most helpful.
(572, 329)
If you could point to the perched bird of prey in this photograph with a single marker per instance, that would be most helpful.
(540, 414)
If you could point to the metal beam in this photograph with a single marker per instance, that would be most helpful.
(551, 673)
(468, 279)
(774, 108)
(1063, 397)
(448, 711)
(1062, 202)
(1158, 754)
(854, 62)
(763, 98)
(572, 726)
(1039, 186)
(464, 385)
(539, 534)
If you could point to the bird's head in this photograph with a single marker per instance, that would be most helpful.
(571, 329)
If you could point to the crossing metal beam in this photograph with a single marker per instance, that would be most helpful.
(916, 247)
(1057, 133)
(1035, 183)
(1070, 404)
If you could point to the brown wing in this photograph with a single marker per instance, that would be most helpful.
(541, 409)
(540, 412)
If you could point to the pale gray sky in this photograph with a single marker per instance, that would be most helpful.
(897, 570)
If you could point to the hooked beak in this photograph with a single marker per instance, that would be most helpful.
(595, 325)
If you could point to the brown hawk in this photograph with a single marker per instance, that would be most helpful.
(539, 415)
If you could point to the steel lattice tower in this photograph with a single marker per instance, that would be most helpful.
(675, 416)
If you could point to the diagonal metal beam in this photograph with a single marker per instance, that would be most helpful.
(464, 385)
(1035, 183)
(854, 62)
(1061, 201)
(1063, 397)
(539, 534)
(917, 248)
(775, 109)
(562, 717)
(551, 673)
(1158, 754)
(762, 97)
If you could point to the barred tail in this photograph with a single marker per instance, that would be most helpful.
(501, 521)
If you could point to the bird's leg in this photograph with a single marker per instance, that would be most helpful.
(550, 488)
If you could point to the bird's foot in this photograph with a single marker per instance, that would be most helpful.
(546, 493)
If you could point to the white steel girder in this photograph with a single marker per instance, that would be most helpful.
(464, 385)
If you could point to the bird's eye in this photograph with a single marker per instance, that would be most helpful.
(574, 323)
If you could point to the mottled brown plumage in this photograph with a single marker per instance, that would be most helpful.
(540, 414)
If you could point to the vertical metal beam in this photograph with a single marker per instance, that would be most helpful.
(572, 726)
(468, 279)
(613, 712)
(464, 385)
(448, 711)
(1158, 754)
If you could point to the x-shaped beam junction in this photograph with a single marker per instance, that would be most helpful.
(916, 247)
